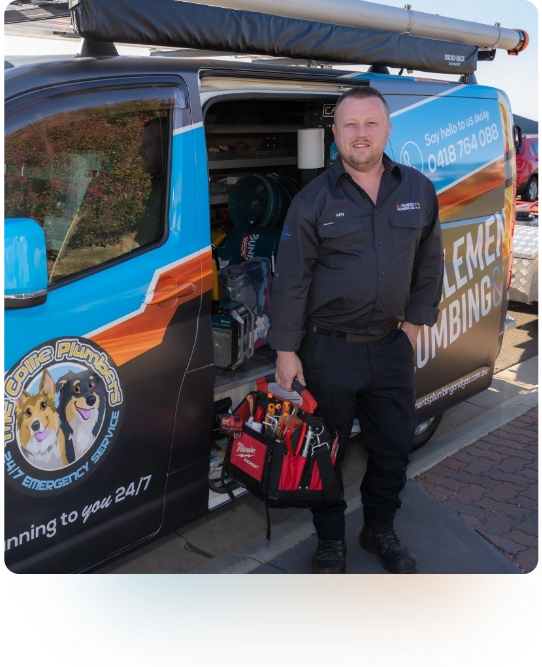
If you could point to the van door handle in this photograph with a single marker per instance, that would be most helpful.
(171, 290)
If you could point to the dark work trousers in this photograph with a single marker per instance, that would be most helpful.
(375, 382)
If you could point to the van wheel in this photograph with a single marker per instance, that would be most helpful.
(425, 431)
(531, 191)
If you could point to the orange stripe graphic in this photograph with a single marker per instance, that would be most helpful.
(133, 337)
(472, 188)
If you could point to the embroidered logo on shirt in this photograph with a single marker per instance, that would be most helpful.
(411, 206)
(286, 233)
(339, 215)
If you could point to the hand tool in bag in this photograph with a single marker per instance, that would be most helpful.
(308, 442)
(291, 422)
(267, 401)
(284, 414)
(250, 401)
(301, 438)
(269, 419)
(270, 425)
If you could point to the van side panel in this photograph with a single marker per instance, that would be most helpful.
(460, 139)
(135, 323)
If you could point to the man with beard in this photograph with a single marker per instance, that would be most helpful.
(359, 270)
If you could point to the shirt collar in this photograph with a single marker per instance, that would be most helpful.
(338, 170)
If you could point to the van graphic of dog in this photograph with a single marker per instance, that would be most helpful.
(38, 426)
(81, 407)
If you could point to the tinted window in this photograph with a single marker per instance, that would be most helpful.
(92, 178)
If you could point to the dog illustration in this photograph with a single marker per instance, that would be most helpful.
(38, 425)
(81, 407)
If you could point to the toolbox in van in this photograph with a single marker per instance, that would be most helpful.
(120, 341)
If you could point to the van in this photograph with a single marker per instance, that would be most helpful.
(117, 357)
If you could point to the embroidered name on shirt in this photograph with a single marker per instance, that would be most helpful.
(411, 206)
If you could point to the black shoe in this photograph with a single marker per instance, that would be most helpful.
(393, 555)
(330, 557)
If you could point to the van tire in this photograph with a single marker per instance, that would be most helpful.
(427, 431)
(531, 191)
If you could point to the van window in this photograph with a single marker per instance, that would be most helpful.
(94, 179)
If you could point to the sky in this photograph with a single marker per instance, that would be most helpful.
(516, 75)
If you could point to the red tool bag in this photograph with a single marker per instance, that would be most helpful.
(289, 462)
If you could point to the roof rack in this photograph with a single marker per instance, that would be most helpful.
(190, 24)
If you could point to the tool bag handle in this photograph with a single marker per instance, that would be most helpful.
(308, 401)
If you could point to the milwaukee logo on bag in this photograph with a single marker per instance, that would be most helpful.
(248, 455)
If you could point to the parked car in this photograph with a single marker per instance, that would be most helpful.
(527, 168)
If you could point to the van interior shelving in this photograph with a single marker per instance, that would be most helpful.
(255, 136)
(246, 137)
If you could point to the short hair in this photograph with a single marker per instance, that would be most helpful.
(362, 93)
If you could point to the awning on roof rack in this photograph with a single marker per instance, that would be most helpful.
(177, 24)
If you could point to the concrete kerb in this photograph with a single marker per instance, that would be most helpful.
(258, 551)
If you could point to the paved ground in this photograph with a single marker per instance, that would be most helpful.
(492, 486)
(442, 543)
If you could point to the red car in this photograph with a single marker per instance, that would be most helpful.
(527, 168)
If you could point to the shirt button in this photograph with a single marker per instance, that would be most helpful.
(383, 273)
(380, 243)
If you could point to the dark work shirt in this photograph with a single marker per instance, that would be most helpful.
(345, 263)
(151, 223)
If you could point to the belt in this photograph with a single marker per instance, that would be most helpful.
(348, 337)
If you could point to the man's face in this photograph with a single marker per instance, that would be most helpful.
(361, 132)
(151, 150)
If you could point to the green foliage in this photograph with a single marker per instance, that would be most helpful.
(80, 173)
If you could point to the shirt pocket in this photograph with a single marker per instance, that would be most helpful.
(336, 229)
(407, 228)
(344, 241)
